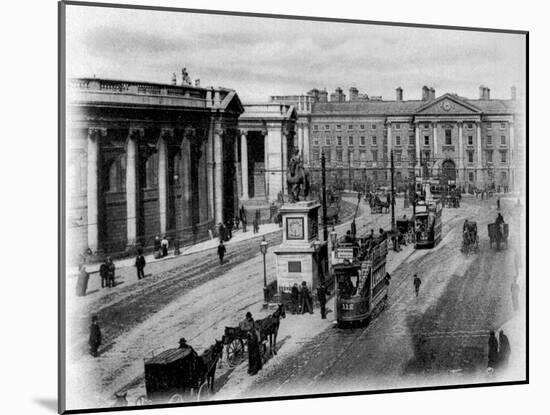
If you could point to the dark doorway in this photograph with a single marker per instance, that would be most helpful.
(449, 170)
(228, 147)
(256, 165)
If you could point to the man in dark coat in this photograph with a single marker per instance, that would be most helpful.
(255, 226)
(104, 273)
(492, 355)
(140, 265)
(221, 251)
(416, 283)
(111, 273)
(306, 299)
(322, 293)
(504, 349)
(254, 356)
(221, 232)
(95, 337)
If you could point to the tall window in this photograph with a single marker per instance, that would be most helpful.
(350, 127)
(412, 140)
(362, 126)
(350, 157)
(397, 140)
(503, 140)
(350, 140)
(448, 137)
(489, 140)
(327, 154)
(490, 156)
(503, 156)
(470, 140)
(470, 125)
(327, 140)
(339, 155)
(412, 157)
(315, 155)
(373, 126)
(338, 126)
(397, 158)
(363, 140)
(327, 127)
(315, 141)
(339, 140)
(397, 126)
(374, 155)
(373, 139)
(363, 156)
(426, 140)
(470, 156)
(471, 176)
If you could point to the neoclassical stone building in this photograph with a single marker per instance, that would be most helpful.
(477, 142)
(147, 159)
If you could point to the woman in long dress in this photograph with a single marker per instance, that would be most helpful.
(254, 357)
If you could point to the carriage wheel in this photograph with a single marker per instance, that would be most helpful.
(235, 352)
(142, 400)
(204, 392)
(176, 398)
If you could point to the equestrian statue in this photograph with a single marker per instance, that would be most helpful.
(297, 178)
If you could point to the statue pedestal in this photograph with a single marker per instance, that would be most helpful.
(298, 256)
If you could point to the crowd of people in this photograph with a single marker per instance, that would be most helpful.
(499, 351)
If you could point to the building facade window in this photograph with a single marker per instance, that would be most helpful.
(397, 126)
(315, 140)
(502, 125)
(339, 155)
(397, 158)
(374, 154)
(503, 156)
(327, 127)
(398, 140)
(412, 157)
(315, 127)
(338, 140)
(489, 126)
(471, 176)
(489, 140)
(350, 127)
(373, 126)
(362, 126)
(426, 140)
(502, 140)
(489, 156)
(425, 157)
(470, 157)
(412, 140)
(373, 140)
(315, 155)
(338, 126)
(470, 140)
(327, 140)
(350, 140)
(448, 137)
(363, 156)
(363, 140)
(326, 151)
(470, 125)
(350, 157)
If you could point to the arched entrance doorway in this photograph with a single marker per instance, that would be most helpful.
(448, 170)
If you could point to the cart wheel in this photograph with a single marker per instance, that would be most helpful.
(235, 352)
(142, 400)
(176, 398)
(204, 392)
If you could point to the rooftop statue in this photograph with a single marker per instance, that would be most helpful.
(297, 178)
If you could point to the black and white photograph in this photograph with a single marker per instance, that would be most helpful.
(262, 206)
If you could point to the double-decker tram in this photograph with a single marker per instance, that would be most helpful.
(427, 221)
(360, 276)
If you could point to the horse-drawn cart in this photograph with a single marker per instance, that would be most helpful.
(178, 375)
(498, 233)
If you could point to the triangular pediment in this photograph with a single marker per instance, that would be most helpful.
(448, 104)
(232, 103)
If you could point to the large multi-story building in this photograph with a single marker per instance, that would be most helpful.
(476, 142)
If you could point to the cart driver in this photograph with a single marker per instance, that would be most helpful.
(499, 219)
(184, 345)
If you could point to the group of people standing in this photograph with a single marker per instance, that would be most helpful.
(499, 351)
(160, 247)
(107, 273)
(302, 300)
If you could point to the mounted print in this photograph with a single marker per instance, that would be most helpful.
(258, 207)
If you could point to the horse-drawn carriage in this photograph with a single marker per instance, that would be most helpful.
(236, 338)
(178, 375)
(470, 238)
(498, 233)
(378, 206)
(452, 201)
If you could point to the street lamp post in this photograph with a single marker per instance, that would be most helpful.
(263, 250)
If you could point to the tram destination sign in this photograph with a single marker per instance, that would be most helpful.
(345, 253)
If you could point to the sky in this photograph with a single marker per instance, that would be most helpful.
(260, 57)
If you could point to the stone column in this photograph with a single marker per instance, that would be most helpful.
(162, 177)
(266, 163)
(511, 158)
(185, 149)
(436, 147)
(94, 136)
(460, 149)
(417, 147)
(306, 143)
(210, 170)
(131, 185)
(244, 164)
(284, 161)
(218, 175)
(478, 150)
(390, 143)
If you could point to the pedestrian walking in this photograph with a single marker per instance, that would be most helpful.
(82, 282)
(221, 251)
(221, 231)
(416, 283)
(111, 273)
(514, 289)
(322, 293)
(255, 226)
(306, 303)
(504, 350)
(140, 265)
(164, 245)
(492, 355)
(104, 273)
(94, 340)
(295, 299)
(244, 222)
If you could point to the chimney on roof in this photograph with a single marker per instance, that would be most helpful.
(353, 94)
(432, 93)
(484, 92)
(323, 95)
(513, 93)
(399, 94)
(425, 93)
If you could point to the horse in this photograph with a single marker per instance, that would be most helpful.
(269, 327)
(209, 359)
(296, 177)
